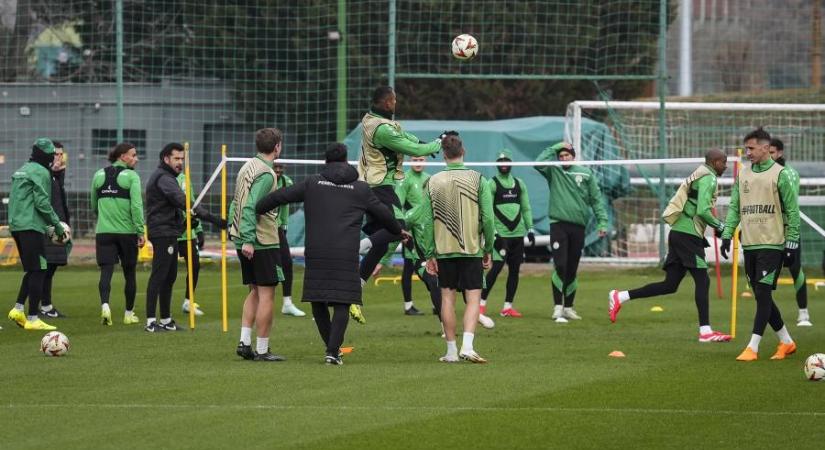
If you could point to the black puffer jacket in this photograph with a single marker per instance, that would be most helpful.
(58, 254)
(334, 207)
(166, 203)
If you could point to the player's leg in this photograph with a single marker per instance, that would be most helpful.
(46, 303)
(168, 276)
(701, 296)
(288, 306)
(448, 281)
(514, 258)
(406, 288)
(106, 254)
(23, 292)
(268, 274)
(32, 251)
(196, 269)
(674, 272)
(320, 314)
(250, 306)
(575, 247)
(380, 237)
(161, 262)
(558, 248)
(471, 274)
(490, 280)
(801, 288)
(338, 328)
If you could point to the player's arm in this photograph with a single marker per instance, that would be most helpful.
(249, 219)
(283, 213)
(41, 201)
(732, 219)
(284, 196)
(388, 137)
(549, 154)
(485, 203)
(380, 211)
(790, 203)
(597, 203)
(97, 181)
(526, 211)
(136, 201)
(401, 191)
(423, 218)
(706, 186)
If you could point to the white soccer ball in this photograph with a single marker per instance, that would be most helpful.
(53, 236)
(465, 47)
(815, 367)
(54, 343)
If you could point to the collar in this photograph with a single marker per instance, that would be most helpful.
(385, 114)
(269, 163)
(168, 168)
(763, 166)
(455, 165)
(120, 163)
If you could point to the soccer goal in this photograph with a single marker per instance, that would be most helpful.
(690, 129)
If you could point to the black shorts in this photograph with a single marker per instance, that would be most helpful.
(387, 196)
(509, 249)
(763, 266)
(264, 269)
(31, 246)
(111, 247)
(460, 273)
(685, 250)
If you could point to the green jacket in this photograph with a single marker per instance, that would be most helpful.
(410, 192)
(793, 175)
(118, 215)
(199, 228)
(30, 206)
(573, 193)
(699, 204)
(511, 211)
(260, 188)
(424, 218)
(387, 137)
(790, 206)
(283, 213)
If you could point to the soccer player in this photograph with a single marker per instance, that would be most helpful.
(574, 191)
(57, 254)
(513, 220)
(688, 213)
(256, 240)
(335, 202)
(383, 146)
(197, 246)
(30, 212)
(116, 199)
(458, 212)
(777, 150)
(288, 308)
(760, 195)
(165, 220)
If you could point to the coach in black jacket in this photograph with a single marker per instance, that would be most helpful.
(165, 220)
(334, 206)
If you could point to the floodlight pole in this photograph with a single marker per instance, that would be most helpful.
(662, 89)
(119, 68)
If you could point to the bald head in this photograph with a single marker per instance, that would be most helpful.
(717, 160)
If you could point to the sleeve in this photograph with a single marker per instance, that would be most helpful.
(172, 191)
(597, 203)
(93, 192)
(549, 154)
(485, 202)
(401, 191)
(526, 211)
(41, 201)
(388, 137)
(283, 213)
(136, 202)
(706, 186)
(381, 212)
(790, 203)
(249, 219)
(423, 219)
(281, 197)
(732, 219)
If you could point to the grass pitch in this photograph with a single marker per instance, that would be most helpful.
(546, 386)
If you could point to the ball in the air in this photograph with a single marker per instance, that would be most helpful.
(54, 343)
(465, 47)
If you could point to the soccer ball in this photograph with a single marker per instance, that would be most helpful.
(815, 367)
(53, 236)
(465, 47)
(54, 343)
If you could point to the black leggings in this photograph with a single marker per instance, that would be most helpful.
(674, 273)
(32, 286)
(331, 331)
(46, 299)
(163, 276)
(196, 266)
(513, 269)
(286, 262)
(567, 243)
(378, 235)
(406, 279)
(766, 310)
(105, 284)
(799, 282)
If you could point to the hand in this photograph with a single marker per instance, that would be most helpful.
(141, 241)
(718, 232)
(60, 232)
(791, 253)
(602, 233)
(406, 236)
(447, 133)
(724, 248)
(248, 250)
(223, 224)
(432, 266)
(531, 236)
(377, 270)
(487, 261)
(201, 240)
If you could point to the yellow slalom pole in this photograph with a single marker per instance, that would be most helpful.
(735, 260)
(224, 319)
(188, 194)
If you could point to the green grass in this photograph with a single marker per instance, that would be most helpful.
(546, 385)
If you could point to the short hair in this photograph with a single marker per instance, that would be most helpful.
(57, 144)
(266, 139)
(380, 93)
(169, 148)
(452, 146)
(119, 150)
(759, 134)
(336, 152)
(775, 142)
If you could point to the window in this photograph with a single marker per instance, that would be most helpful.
(103, 140)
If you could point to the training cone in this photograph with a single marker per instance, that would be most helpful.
(657, 309)
(616, 354)
(346, 350)
(747, 294)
